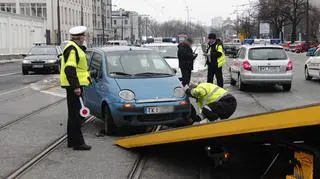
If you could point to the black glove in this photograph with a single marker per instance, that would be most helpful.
(195, 55)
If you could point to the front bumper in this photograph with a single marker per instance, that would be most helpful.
(135, 116)
(40, 66)
(260, 78)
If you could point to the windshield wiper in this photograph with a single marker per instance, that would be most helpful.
(120, 73)
(169, 57)
(276, 58)
(151, 74)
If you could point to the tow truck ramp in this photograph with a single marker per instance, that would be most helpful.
(296, 129)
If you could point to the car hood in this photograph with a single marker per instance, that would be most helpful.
(41, 57)
(173, 62)
(150, 88)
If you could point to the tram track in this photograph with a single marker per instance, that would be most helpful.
(41, 155)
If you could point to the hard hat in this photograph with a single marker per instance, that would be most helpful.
(78, 30)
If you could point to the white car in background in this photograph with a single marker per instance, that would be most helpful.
(169, 51)
(312, 66)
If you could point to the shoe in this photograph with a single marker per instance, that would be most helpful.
(196, 123)
(82, 147)
(69, 146)
(204, 121)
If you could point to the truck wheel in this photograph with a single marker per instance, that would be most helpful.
(286, 87)
(110, 127)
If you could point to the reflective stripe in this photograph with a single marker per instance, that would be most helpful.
(205, 99)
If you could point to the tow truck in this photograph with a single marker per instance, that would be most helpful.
(282, 144)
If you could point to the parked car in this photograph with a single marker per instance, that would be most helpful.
(42, 58)
(134, 87)
(117, 43)
(169, 51)
(292, 47)
(261, 64)
(312, 66)
(231, 48)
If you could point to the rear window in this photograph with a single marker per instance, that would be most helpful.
(267, 54)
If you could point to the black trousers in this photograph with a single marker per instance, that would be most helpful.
(223, 109)
(75, 137)
(186, 76)
(212, 70)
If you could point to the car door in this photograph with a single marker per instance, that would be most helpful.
(93, 98)
(314, 64)
(235, 65)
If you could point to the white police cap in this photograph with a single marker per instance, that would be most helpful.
(78, 30)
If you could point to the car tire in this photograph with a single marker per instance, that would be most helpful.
(232, 81)
(241, 85)
(307, 75)
(25, 72)
(287, 87)
(110, 127)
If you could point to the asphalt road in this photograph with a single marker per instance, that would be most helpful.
(106, 160)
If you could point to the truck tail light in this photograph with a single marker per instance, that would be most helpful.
(246, 65)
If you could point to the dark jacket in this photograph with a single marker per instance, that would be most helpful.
(214, 54)
(185, 56)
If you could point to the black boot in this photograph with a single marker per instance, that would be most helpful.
(82, 147)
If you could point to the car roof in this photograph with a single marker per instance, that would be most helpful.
(120, 49)
(262, 46)
(160, 44)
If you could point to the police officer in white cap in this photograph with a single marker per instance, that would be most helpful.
(74, 76)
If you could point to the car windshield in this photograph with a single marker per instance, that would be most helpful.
(166, 51)
(43, 51)
(137, 64)
(267, 54)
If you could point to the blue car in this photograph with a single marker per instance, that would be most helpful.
(134, 87)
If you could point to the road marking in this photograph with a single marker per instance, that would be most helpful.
(54, 94)
(15, 90)
(9, 74)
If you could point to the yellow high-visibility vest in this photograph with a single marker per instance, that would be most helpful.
(81, 66)
(207, 93)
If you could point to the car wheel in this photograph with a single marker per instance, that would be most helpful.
(110, 127)
(307, 75)
(25, 72)
(286, 87)
(232, 81)
(241, 85)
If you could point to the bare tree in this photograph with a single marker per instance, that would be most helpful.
(294, 11)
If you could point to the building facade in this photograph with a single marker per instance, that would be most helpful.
(95, 14)
(125, 25)
(18, 33)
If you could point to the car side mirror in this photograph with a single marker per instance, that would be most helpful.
(94, 74)
(174, 70)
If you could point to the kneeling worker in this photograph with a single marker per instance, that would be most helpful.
(213, 102)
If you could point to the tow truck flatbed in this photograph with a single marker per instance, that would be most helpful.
(297, 129)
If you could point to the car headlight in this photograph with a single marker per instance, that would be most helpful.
(179, 92)
(51, 61)
(26, 61)
(126, 95)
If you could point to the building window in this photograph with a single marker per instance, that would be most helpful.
(115, 22)
(65, 15)
(126, 22)
(33, 10)
(39, 10)
(2, 7)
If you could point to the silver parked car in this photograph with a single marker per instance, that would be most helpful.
(261, 64)
(312, 66)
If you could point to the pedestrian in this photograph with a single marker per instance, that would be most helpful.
(74, 76)
(186, 58)
(216, 59)
(213, 102)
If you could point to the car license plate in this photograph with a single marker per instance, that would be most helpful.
(158, 110)
(37, 66)
(269, 69)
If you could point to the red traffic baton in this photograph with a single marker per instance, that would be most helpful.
(84, 111)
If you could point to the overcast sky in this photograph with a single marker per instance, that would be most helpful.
(200, 10)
